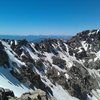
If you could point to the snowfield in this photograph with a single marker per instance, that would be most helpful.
(9, 82)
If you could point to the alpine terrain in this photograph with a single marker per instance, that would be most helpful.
(53, 69)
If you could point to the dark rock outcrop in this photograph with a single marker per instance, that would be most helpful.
(5, 94)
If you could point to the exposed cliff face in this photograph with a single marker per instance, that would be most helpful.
(66, 70)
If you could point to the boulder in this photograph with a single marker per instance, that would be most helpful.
(5, 94)
(36, 95)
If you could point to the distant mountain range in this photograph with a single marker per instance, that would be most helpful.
(34, 38)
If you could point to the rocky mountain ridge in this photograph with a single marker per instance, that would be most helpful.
(64, 70)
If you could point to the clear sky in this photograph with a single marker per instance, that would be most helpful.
(65, 17)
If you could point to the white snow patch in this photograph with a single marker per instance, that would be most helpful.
(95, 94)
(98, 54)
(13, 58)
(91, 98)
(85, 45)
(58, 68)
(33, 46)
(15, 42)
(69, 62)
(60, 94)
(34, 56)
(9, 82)
(98, 31)
(96, 58)
(58, 73)
(80, 50)
(90, 60)
(91, 33)
(49, 56)
(67, 76)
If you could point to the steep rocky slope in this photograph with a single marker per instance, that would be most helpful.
(64, 70)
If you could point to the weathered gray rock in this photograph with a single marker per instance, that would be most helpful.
(5, 94)
(36, 95)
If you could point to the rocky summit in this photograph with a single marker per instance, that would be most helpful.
(53, 69)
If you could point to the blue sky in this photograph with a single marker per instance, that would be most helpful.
(45, 17)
